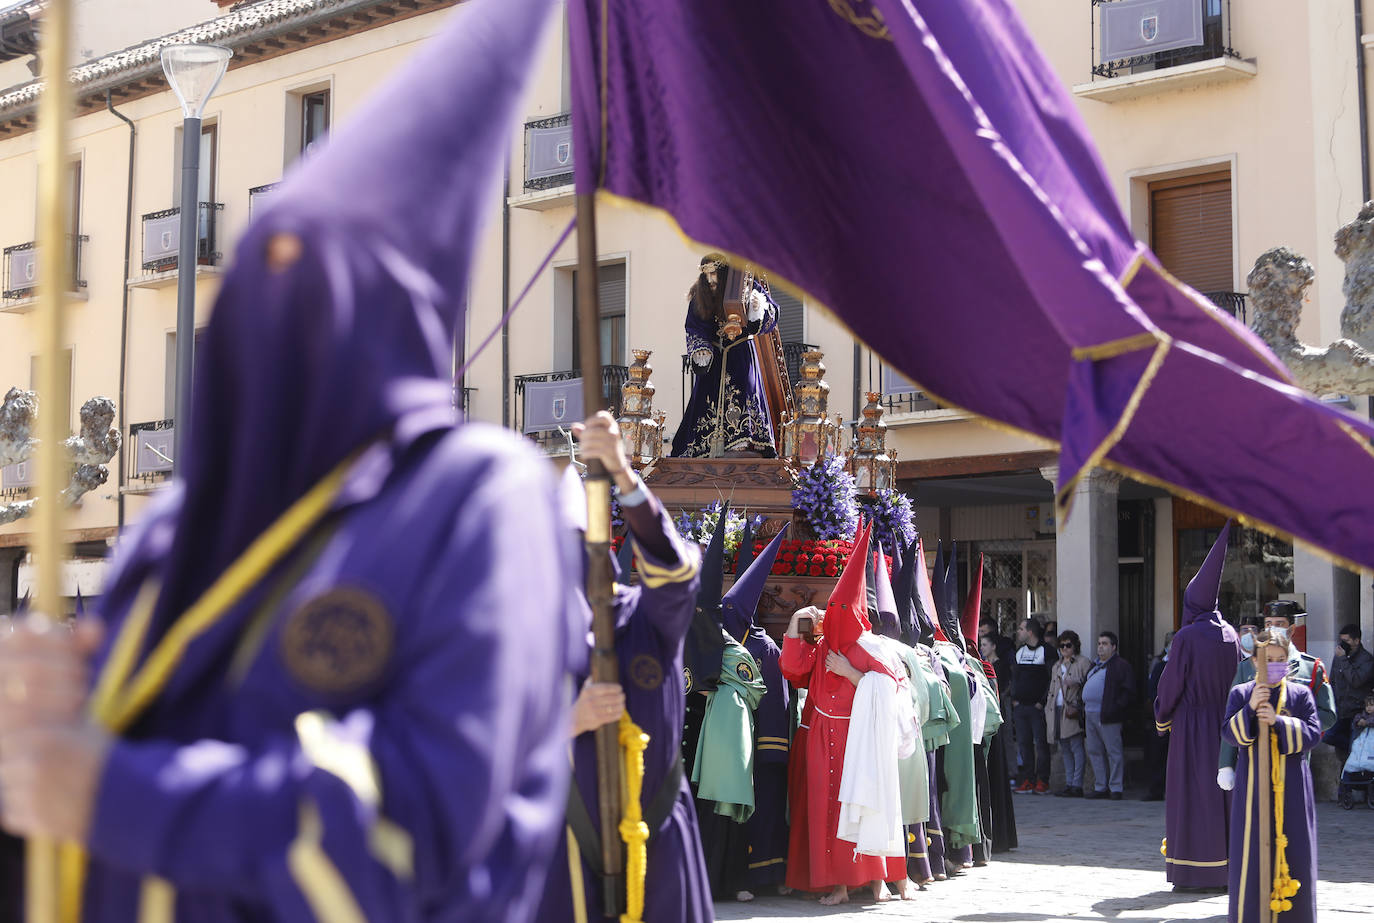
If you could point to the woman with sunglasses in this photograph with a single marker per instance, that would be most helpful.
(1065, 714)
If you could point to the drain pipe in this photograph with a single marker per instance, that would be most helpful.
(124, 307)
(1363, 102)
(505, 297)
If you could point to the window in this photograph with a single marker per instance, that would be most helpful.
(209, 150)
(170, 372)
(611, 297)
(63, 401)
(314, 118)
(309, 111)
(1190, 229)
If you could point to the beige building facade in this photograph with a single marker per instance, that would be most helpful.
(1256, 129)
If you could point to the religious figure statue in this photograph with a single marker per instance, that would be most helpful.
(728, 413)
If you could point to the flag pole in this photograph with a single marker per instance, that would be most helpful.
(1264, 784)
(54, 106)
(605, 667)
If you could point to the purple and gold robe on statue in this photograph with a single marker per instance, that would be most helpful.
(651, 622)
(1190, 707)
(1297, 731)
(745, 416)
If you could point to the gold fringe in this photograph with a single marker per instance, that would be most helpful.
(1113, 348)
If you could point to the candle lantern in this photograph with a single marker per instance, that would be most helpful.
(808, 433)
(640, 428)
(869, 462)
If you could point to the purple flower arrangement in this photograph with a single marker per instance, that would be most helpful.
(824, 496)
(893, 519)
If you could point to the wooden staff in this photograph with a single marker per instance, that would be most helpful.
(605, 667)
(1265, 787)
(54, 278)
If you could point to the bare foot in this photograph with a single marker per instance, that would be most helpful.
(784, 890)
(880, 892)
(744, 896)
(906, 889)
(940, 877)
(839, 896)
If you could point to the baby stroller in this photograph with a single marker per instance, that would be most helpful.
(1356, 788)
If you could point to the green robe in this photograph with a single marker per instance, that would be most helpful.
(959, 804)
(724, 767)
(913, 773)
(993, 718)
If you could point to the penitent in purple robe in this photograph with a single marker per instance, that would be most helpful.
(743, 414)
(1297, 731)
(1189, 707)
(651, 622)
(374, 726)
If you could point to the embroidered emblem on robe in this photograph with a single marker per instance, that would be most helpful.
(744, 671)
(687, 678)
(338, 642)
(646, 672)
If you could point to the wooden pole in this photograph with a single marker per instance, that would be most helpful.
(54, 279)
(605, 667)
(1265, 789)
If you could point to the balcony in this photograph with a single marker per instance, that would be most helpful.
(150, 451)
(791, 354)
(20, 293)
(1233, 303)
(1143, 47)
(548, 164)
(162, 243)
(259, 197)
(549, 400)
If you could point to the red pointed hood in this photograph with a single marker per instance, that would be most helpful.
(968, 619)
(845, 617)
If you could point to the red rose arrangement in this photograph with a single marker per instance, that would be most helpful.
(813, 558)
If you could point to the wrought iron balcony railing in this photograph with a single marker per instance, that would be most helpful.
(162, 237)
(258, 196)
(1233, 303)
(548, 153)
(21, 268)
(612, 377)
(1123, 32)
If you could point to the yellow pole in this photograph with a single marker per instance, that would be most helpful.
(54, 276)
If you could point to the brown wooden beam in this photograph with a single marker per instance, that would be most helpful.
(965, 465)
(70, 536)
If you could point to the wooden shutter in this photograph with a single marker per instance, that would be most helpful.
(790, 319)
(1190, 228)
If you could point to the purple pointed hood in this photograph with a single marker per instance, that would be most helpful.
(742, 600)
(1200, 599)
(704, 647)
(343, 338)
(745, 555)
(888, 623)
(903, 592)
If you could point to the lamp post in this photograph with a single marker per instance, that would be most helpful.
(193, 72)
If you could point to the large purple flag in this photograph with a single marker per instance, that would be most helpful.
(917, 167)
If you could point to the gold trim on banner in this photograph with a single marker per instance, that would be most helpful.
(1063, 499)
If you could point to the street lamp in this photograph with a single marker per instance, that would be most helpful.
(193, 72)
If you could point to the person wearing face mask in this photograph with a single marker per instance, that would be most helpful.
(1188, 708)
(1279, 616)
(1352, 678)
(1287, 707)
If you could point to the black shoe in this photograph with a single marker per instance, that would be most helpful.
(1153, 797)
(1077, 792)
(1096, 796)
(1064, 793)
(1116, 796)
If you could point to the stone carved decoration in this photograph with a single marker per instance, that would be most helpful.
(86, 453)
(790, 594)
(1278, 285)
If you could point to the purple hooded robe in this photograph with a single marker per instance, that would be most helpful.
(374, 727)
(1190, 708)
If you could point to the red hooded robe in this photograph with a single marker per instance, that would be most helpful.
(818, 860)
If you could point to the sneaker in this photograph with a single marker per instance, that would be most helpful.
(1026, 786)
(1095, 795)
(1042, 788)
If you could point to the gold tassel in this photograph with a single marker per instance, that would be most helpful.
(633, 830)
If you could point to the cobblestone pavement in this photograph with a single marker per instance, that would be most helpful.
(1096, 861)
